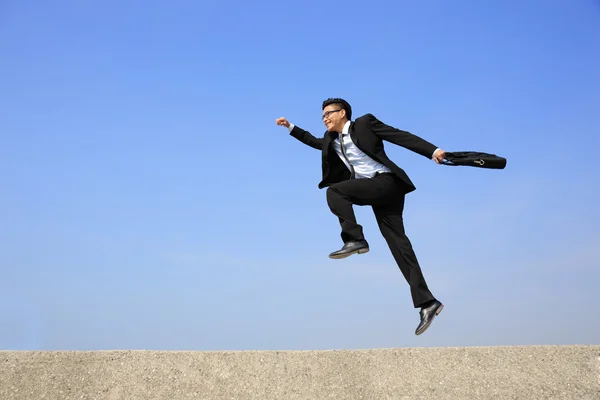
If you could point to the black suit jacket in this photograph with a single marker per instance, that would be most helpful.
(368, 134)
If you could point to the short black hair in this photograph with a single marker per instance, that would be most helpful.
(343, 103)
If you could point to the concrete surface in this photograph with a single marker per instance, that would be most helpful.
(528, 373)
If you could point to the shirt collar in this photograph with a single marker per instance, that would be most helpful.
(346, 128)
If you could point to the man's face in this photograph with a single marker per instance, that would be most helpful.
(334, 117)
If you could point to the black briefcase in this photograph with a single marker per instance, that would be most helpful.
(474, 159)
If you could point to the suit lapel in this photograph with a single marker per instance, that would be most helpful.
(329, 138)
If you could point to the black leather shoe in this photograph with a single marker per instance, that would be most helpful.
(349, 248)
(427, 316)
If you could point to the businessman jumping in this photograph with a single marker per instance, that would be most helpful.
(356, 171)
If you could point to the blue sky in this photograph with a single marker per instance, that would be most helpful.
(149, 201)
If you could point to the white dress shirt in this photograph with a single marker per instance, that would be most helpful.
(364, 166)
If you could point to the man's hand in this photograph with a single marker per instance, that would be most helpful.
(282, 122)
(439, 155)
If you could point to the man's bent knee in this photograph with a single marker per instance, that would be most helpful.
(331, 193)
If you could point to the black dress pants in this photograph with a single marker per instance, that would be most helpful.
(383, 193)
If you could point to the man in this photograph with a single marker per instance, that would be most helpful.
(356, 171)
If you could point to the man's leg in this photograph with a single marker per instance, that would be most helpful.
(391, 224)
(343, 195)
(390, 221)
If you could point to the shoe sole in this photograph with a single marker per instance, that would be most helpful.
(344, 255)
(439, 310)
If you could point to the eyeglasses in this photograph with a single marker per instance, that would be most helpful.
(328, 113)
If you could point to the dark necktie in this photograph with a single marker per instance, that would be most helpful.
(346, 158)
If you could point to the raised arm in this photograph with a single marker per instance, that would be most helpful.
(300, 134)
(405, 139)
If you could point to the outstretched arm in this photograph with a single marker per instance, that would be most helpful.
(406, 140)
(300, 134)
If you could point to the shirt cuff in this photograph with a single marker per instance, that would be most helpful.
(291, 127)
(436, 150)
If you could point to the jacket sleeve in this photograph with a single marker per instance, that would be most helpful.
(306, 138)
(401, 138)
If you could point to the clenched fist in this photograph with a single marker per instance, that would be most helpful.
(282, 122)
